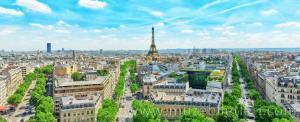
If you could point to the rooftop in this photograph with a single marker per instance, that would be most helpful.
(171, 83)
(294, 109)
(197, 98)
(61, 82)
(71, 102)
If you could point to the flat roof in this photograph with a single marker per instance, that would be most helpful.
(205, 97)
(149, 79)
(61, 82)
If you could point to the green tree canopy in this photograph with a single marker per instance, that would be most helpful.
(227, 114)
(76, 76)
(193, 115)
(108, 111)
(145, 112)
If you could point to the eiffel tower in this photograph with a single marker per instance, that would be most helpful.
(153, 51)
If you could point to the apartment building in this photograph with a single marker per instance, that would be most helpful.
(14, 79)
(79, 108)
(101, 87)
(173, 98)
(3, 89)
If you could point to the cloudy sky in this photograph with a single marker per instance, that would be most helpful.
(126, 24)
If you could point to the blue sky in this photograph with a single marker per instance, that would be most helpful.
(126, 24)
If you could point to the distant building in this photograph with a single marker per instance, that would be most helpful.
(48, 47)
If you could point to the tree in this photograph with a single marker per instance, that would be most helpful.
(46, 105)
(103, 72)
(226, 114)
(134, 87)
(2, 119)
(270, 112)
(76, 76)
(193, 115)
(230, 100)
(280, 120)
(108, 111)
(47, 69)
(253, 94)
(15, 99)
(44, 117)
(120, 85)
(240, 109)
(145, 112)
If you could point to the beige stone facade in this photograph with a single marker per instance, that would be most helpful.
(14, 79)
(3, 81)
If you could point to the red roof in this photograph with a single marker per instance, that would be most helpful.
(2, 108)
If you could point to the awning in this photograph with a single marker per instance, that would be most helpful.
(2, 108)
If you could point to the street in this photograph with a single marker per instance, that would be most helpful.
(24, 110)
(125, 112)
(245, 100)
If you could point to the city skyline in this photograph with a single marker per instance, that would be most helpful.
(126, 25)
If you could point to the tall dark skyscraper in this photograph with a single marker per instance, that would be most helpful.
(48, 47)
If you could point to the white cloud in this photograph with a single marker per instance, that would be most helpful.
(12, 12)
(62, 31)
(213, 3)
(62, 23)
(290, 24)
(269, 12)
(187, 31)
(34, 5)
(225, 28)
(298, 12)
(160, 24)
(252, 3)
(46, 27)
(8, 30)
(229, 33)
(92, 4)
(157, 13)
(257, 24)
(97, 30)
(122, 26)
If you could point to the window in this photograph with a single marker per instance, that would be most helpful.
(65, 114)
(69, 114)
(87, 112)
(282, 95)
(282, 101)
